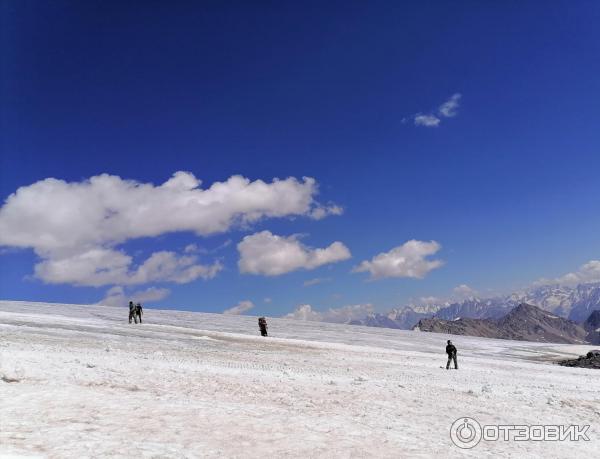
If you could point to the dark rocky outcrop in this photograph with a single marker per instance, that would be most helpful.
(525, 322)
(590, 360)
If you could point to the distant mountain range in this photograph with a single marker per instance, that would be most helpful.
(525, 322)
(592, 327)
(573, 303)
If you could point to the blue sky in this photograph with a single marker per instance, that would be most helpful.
(508, 186)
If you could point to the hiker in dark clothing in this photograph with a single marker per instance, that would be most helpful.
(262, 325)
(451, 351)
(132, 312)
(138, 312)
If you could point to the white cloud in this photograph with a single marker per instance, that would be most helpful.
(240, 308)
(271, 255)
(426, 120)
(450, 107)
(407, 260)
(430, 300)
(267, 300)
(98, 267)
(459, 293)
(75, 227)
(463, 291)
(587, 273)
(116, 296)
(53, 215)
(191, 248)
(195, 248)
(168, 266)
(304, 312)
(317, 280)
(344, 314)
(320, 212)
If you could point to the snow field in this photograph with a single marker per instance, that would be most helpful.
(79, 381)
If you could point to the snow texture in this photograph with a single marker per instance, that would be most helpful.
(79, 381)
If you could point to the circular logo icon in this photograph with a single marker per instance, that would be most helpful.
(465, 433)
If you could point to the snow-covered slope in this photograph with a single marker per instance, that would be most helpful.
(78, 381)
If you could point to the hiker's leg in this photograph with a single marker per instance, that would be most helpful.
(448, 363)
(455, 364)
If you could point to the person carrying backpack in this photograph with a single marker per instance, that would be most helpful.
(132, 312)
(138, 312)
(451, 351)
(262, 325)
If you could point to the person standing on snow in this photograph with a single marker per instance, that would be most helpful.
(451, 351)
(138, 312)
(262, 325)
(132, 312)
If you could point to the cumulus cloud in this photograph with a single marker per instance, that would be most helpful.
(271, 255)
(116, 296)
(406, 260)
(75, 227)
(240, 308)
(587, 273)
(448, 109)
(344, 314)
(98, 267)
(53, 215)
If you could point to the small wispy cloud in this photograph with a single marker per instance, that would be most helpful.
(463, 291)
(448, 109)
(341, 315)
(321, 212)
(426, 120)
(191, 248)
(195, 248)
(459, 293)
(239, 308)
(118, 296)
(316, 280)
(587, 273)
